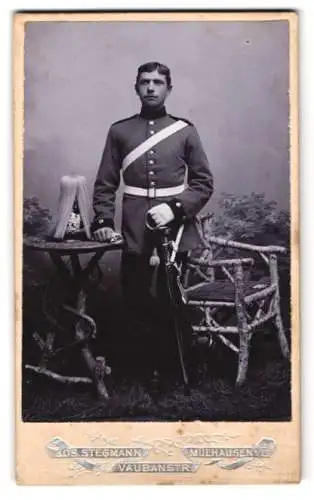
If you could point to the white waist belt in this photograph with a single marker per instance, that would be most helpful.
(153, 192)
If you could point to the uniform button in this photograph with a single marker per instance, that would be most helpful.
(151, 162)
(152, 183)
(151, 172)
(151, 122)
(151, 152)
(152, 132)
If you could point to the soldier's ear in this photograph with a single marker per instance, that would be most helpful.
(169, 89)
(136, 88)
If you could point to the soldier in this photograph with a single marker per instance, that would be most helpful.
(156, 152)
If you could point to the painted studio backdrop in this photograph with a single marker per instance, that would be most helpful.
(230, 79)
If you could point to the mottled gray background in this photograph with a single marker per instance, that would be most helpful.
(230, 79)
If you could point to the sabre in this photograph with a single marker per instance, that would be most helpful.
(169, 249)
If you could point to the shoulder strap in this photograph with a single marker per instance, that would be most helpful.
(151, 142)
(124, 120)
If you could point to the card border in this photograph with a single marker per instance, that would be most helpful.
(286, 466)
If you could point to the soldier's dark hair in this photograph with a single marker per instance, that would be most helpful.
(152, 66)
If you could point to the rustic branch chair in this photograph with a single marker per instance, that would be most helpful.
(233, 296)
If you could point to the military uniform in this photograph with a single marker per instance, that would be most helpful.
(162, 167)
(174, 171)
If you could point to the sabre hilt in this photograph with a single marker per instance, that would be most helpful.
(170, 247)
(164, 232)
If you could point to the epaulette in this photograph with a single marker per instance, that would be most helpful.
(183, 119)
(124, 119)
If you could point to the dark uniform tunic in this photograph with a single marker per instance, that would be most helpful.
(168, 164)
(163, 166)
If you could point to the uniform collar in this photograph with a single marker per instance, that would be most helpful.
(151, 113)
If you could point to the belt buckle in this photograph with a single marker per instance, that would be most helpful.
(151, 191)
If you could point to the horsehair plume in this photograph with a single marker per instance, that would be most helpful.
(66, 200)
(71, 187)
(84, 204)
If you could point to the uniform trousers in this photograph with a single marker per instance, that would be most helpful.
(150, 316)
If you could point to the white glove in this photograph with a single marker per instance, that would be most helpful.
(161, 214)
(107, 234)
(103, 234)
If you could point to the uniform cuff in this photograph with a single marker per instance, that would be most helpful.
(178, 210)
(100, 222)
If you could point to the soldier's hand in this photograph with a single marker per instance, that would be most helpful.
(103, 234)
(161, 214)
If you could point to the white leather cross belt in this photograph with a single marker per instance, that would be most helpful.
(153, 192)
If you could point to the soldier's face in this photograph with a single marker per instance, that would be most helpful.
(152, 89)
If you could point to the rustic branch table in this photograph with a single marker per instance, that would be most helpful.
(73, 282)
